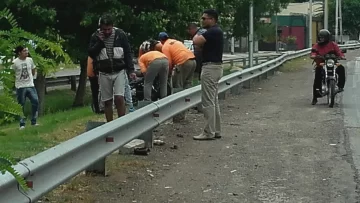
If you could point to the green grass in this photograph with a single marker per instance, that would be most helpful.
(60, 122)
(53, 129)
(59, 100)
(295, 64)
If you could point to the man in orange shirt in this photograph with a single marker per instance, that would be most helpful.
(153, 63)
(97, 106)
(157, 47)
(182, 61)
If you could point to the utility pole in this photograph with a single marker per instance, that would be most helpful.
(326, 14)
(310, 22)
(251, 34)
(232, 45)
(337, 21)
(340, 19)
(276, 34)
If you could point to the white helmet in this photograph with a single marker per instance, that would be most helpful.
(145, 46)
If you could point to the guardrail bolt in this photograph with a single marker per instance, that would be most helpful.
(227, 83)
(187, 99)
(30, 184)
(109, 139)
(156, 115)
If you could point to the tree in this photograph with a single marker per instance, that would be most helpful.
(261, 9)
(350, 16)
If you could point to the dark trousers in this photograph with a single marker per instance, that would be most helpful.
(94, 86)
(320, 73)
(198, 58)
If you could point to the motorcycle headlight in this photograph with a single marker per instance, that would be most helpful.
(330, 63)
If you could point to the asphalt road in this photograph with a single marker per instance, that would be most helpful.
(276, 148)
(351, 108)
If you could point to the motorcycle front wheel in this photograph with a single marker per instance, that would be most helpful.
(331, 95)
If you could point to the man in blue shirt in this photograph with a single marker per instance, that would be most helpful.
(212, 42)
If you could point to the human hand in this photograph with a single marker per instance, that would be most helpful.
(100, 35)
(133, 76)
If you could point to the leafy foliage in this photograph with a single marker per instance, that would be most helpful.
(350, 15)
(6, 165)
(266, 32)
(261, 8)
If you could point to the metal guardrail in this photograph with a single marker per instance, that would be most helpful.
(73, 79)
(51, 168)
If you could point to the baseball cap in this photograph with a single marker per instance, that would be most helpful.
(163, 36)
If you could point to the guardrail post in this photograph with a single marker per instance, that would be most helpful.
(147, 136)
(247, 84)
(244, 62)
(256, 60)
(181, 116)
(73, 82)
(199, 108)
(222, 95)
(99, 167)
(236, 89)
(265, 75)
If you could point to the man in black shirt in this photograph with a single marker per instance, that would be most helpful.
(212, 42)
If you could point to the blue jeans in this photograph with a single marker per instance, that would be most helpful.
(127, 95)
(31, 93)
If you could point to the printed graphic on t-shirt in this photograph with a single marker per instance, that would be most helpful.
(24, 72)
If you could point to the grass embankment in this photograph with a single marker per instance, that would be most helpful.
(59, 123)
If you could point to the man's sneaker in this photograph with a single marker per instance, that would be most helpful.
(203, 137)
(22, 128)
(36, 124)
(131, 109)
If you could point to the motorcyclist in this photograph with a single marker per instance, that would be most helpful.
(157, 46)
(323, 47)
(152, 64)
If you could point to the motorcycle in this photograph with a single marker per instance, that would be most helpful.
(137, 88)
(329, 77)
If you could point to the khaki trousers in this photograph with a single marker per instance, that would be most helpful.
(183, 74)
(182, 79)
(210, 76)
(159, 67)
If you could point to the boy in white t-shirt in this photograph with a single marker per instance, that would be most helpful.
(24, 69)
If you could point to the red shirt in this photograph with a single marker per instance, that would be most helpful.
(324, 49)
